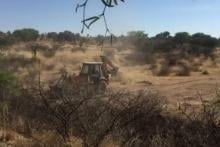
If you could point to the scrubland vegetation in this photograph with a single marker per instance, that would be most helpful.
(176, 53)
(36, 111)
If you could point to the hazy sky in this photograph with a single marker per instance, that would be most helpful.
(152, 16)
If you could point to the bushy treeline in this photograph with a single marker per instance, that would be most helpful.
(195, 44)
(173, 54)
(29, 34)
(10, 38)
(63, 36)
(162, 42)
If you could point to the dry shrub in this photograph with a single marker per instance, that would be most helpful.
(181, 69)
(11, 138)
(110, 141)
(205, 72)
(48, 138)
(185, 68)
(186, 128)
(172, 131)
(30, 77)
(159, 141)
(42, 139)
(56, 113)
(84, 114)
(195, 67)
(13, 62)
(196, 64)
(164, 67)
(22, 143)
(138, 123)
(161, 68)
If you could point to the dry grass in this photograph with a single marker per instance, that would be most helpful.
(130, 72)
(130, 76)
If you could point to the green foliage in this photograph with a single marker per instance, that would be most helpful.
(66, 36)
(26, 34)
(219, 42)
(182, 37)
(5, 39)
(2, 33)
(137, 35)
(197, 44)
(204, 40)
(163, 45)
(8, 91)
(52, 35)
(202, 44)
(8, 84)
(182, 46)
(138, 38)
(63, 36)
(163, 35)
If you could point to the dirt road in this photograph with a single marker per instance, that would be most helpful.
(178, 90)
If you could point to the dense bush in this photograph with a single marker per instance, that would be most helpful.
(6, 39)
(3, 39)
(180, 47)
(8, 91)
(63, 36)
(203, 44)
(163, 45)
(204, 40)
(219, 42)
(196, 44)
(85, 115)
(26, 34)
(8, 84)
(13, 62)
(181, 38)
(138, 39)
(52, 35)
(132, 119)
(163, 35)
(66, 36)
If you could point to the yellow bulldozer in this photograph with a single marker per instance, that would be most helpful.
(96, 74)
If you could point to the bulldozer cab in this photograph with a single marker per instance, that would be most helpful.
(93, 70)
(96, 74)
